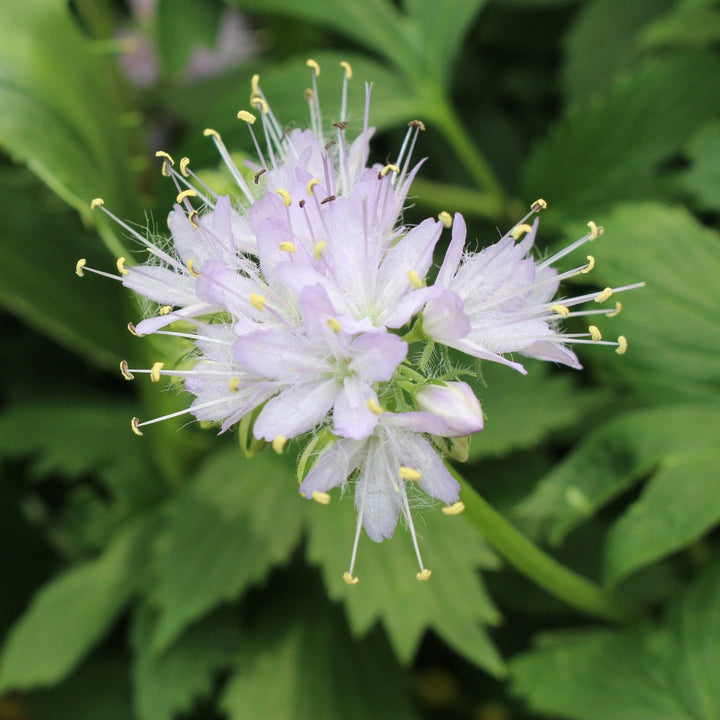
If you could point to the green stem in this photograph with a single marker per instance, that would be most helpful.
(532, 562)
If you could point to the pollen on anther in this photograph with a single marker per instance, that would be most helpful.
(134, 426)
(278, 444)
(258, 301)
(285, 195)
(589, 266)
(120, 264)
(616, 311)
(234, 384)
(192, 217)
(604, 295)
(287, 246)
(184, 162)
(124, 370)
(165, 310)
(246, 116)
(260, 102)
(562, 310)
(318, 249)
(185, 194)
(79, 265)
(388, 168)
(313, 64)
(321, 498)
(334, 324)
(255, 84)
(595, 333)
(165, 156)
(414, 279)
(131, 328)
(345, 65)
(155, 371)
(408, 473)
(445, 218)
(418, 124)
(539, 205)
(349, 579)
(97, 202)
(191, 268)
(374, 406)
(595, 230)
(208, 132)
(424, 575)
(311, 184)
(517, 232)
(454, 509)
(622, 345)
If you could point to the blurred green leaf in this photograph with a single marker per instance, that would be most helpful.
(168, 683)
(613, 458)
(71, 613)
(453, 603)
(298, 661)
(237, 520)
(668, 673)
(689, 22)
(610, 150)
(702, 179)
(603, 41)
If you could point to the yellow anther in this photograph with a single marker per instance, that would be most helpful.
(334, 324)
(246, 116)
(165, 156)
(446, 218)
(408, 473)
(374, 406)
(424, 575)
(191, 268)
(595, 230)
(131, 328)
(349, 579)
(255, 84)
(258, 301)
(97, 202)
(616, 311)
(165, 310)
(311, 184)
(389, 168)
(414, 279)
(155, 371)
(312, 64)
(192, 217)
(622, 345)
(595, 333)
(538, 205)
(589, 266)
(519, 230)
(345, 65)
(79, 265)
(185, 194)
(278, 444)
(234, 384)
(322, 498)
(184, 162)
(285, 195)
(454, 509)
(288, 247)
(309, 94)
(604, 295)
(259, 102)
(561, 310)
(120, 264)
(124, 370)
(134, 426)
(318, 249)
(417, 124)
(208, 132)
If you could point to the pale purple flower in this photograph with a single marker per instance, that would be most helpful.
(455, 403)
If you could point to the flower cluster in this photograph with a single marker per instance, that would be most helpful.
(303, 294)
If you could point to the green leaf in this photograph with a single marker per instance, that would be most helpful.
(610, 150)
(237, 520)
(168, 683)
(702, 179)
(71, 613)
(679, 505)
(693, 22)
(453, 603)
(298, 661)
(612, 459)
(666, 673)
(671, 324)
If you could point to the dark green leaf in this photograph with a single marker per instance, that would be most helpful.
(225, 532)
(693, 22)
(702, 179)
(453, 603)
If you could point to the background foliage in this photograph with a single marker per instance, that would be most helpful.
(172, 577)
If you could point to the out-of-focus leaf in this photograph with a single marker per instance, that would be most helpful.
(40, 242)
(689, 22)
(668, 673)
(613, 458)
(236, 521)
(610, 150)
(58, 115)
(672, 323)
(71, 613)
(298, 661)
(453, 603)
(167, 683)
(702, 179)
(679, 505)
(603, 41)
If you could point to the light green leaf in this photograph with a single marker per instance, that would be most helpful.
(671, 324)
(613, 458)
(236, 521)
(453, 603)
(71, 613)
(679, 505)
(299, 662)
(668, 673)
(702, 179)
(168, 683)
(610, 150)
(688, 23)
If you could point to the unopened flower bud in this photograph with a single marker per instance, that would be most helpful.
(456, 404)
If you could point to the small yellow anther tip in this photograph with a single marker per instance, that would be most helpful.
(519, 230)
(595, 333)
(134, 426)
(285, 195)
(79, 265)
(165, 310)
(408, 473)
(313, 64)
(258, 301)
(322, 498)
(234, 384)
(616, 311)
(345, 65)
(414, 279)
(622, 345)
(259, 101)
(445, 218)
(589, 266)
(191, 268)
(424, 575)
(287, 247)
(539, 205)
(278, 443)
(595, 230)
(562, 310)
(246, 116)
(388, 169)
(184, 162)
(318, 249)
(120, 264)
(334, 324)
(124, 370)
(606, 294)
(349, 579)
(184, 195)
(454, 509)
(97, 202)
(374, 406)
(209, 132)
(155, 371)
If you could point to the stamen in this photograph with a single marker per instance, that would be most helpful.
(388, 168)
(414, 279)
(131, 328)
(454, 509)
(595, 333)
(184, 195)
(192, 217)
(538, 205)
(445, 218)
(165, 310)
(97, 202)
(80, 264)
(191, 268)
(604, 295)
(374, 406)
(184, 162)
(255, 84)
(595, 230)
(616, 311)
(590, 265)
(328, 199)
(419, 124)
(318, 249)
(561, 310)
(408, 473)
(259, 174)
(312, 64)
(234, 384)
(287, 247)
(278, 444)
(246, 116)
(322, 498)
(285, 196)
(134, 426)
(334, 324)
(124, 370)
(167, 164)
(349, 579)
(120, 264)
(519, 230)
(261, 103)
(347, 67)
(258, 301)
(622, 345)
(155, 371)
(424, 575)
(311, 184)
